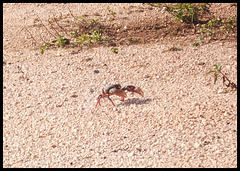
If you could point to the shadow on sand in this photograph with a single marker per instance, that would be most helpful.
(137, 101)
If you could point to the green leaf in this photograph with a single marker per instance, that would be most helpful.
(222, 28)
(200, 38)
(195, 44)
(169, 9)
(203, 25)
(218, 68)
(210, 71)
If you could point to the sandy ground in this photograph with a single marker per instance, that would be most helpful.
(49, 113)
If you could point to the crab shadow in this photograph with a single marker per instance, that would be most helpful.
(137, 101)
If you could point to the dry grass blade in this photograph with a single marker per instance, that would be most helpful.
(31, 35)
(46, 27)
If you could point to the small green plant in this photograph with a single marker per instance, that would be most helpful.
(75, 34)
(228, 24)
(194, 13)
(114, 49)
(111, 14)
(62, 41)
(195, 44)
(109, 11)
(217, 72)
(186, 12)
(77, 30)
(43, 48)
(96, 36)
(89, 38)
(211, 28)
(200, 38)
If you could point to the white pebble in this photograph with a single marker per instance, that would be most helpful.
(195, 145)
(146, 76)
(231, 57)
(130, 154)
(222, 91)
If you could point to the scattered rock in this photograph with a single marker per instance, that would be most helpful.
(130, 154)
(54, 146)
(201, 63)
(74, 95)
(96, 71)
(195, 145)
(59, 54)
(222, 91)
(228, 67)
(196, 104)
(28, 106)
(91, 90)
(146, 76)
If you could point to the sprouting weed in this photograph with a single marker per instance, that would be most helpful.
(217, 72)
(114, 50)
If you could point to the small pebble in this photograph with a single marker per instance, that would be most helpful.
(28, 106)
(231, 57)
(195, 145)
(228, 67)
(59, 54)
(222, 91)
(91, 90)
(74, 96)
(146, 76)
(225, 113)
(196, 104)
(130, 154)
(96, 71)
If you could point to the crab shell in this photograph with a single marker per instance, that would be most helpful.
(117, 92)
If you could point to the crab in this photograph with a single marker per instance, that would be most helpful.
(116, 89)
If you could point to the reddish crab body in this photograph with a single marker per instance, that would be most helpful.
(116, 89)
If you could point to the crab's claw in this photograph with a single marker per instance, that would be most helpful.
(98, 100)
(139, 91)
(133, 89)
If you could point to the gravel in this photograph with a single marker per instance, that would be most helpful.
(49, 113)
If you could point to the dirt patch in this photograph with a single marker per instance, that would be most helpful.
(49, 113)
(144, 30)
